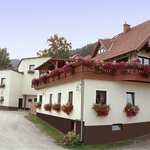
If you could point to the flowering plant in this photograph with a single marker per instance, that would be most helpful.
(131, 110)
(56, 107)
(35, 82)
(38, 105)
(48, 107)
(67, 108)
(109, 67)
(68, 68)
(101, 109)
(43, 79)
(146, 70)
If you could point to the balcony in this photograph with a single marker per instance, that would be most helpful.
(132, 71)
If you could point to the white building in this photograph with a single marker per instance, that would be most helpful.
(88, 83)
(16, 90)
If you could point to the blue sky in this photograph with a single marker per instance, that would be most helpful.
(25, 25)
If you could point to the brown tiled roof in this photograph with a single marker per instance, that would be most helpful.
(134, 39)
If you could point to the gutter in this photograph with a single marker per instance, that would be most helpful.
(82, 108)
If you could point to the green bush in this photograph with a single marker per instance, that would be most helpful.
(71, 139)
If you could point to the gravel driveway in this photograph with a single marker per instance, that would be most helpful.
(17, 133)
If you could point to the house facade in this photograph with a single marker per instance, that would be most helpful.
(103, 101)
(16, 89)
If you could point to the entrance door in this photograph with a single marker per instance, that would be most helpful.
(20, 103)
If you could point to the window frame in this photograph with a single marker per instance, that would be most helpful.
(30, 69)
(40, 98)
(50, 98)
(99, 101)
(132, 96)
(144, 58)
(3, 81)
(59, 98)
(70, 97)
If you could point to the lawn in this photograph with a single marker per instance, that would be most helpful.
(57, 136)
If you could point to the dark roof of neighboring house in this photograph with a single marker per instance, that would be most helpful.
(133, 39)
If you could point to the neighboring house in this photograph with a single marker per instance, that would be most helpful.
(16, 90)
(89, 85)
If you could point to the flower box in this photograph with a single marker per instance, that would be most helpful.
(131, 110)
(67, 108)
(38, 105)
(48, 107)
(56, 107)
(101, 109)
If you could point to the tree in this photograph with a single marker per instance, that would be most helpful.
(58, 48)
(4, 59)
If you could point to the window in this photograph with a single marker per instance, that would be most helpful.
(40, 99)
(2, 81)
(144, 60)
(29, 100)
(101, 97)
(31, 69)
(101, 50)
(130, 98)
(59, 98)
(1, 99)
(50, 98)
(35, 99)
(116, 127)
(70, 97)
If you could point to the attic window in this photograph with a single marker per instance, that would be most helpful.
(101, 50)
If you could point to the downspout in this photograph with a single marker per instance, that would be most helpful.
(82, 108)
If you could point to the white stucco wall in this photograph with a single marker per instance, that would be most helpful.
(144, 54)
(64, 89)
(11, 91)
(27, 77)
(116, 98)
(15, 88)
(6, 90)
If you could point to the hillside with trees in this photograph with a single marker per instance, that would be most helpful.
(83, 51)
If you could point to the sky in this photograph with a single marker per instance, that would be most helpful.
(25, 25)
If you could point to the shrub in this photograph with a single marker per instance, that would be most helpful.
(71, 139)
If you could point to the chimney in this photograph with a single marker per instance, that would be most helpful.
(126, 27)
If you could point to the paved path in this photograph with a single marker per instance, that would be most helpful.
(17, 133)
(141, 143)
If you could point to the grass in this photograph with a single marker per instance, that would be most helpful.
(57, 136)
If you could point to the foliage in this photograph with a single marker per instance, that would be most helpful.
(38, 105)
(58, 48)
(131, 110)
(48, 107)
(4, 59)
(67, 108)
(35, 82)
(101, 109)
(56, 107)
(68, 68)
(84, 51)
(71, 139)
